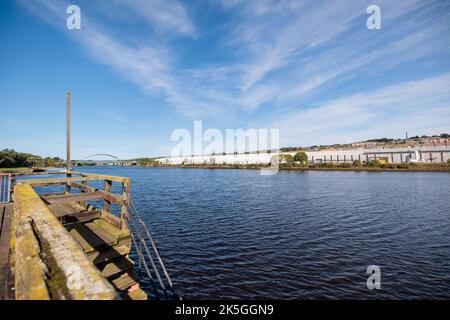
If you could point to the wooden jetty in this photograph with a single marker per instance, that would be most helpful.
(57, 245)
(60, 245)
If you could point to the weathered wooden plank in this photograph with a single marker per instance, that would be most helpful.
(86, 215)
(48, 258)
(65, 209)
(72, 197)
(106, 195)
(137, 294)
(124, 282)
(5, 238)
(97, 176)
(122, 264)
(5, 232)
(103, 234)
(89, 239)
(50, 181)
(101, 257)
(2, 209)
(107, 188)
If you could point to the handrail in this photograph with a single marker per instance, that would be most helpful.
(97, 176)
(145, 238)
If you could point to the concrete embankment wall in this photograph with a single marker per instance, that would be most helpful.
(429, 154)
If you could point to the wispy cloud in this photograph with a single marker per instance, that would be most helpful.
(280, 53)
(167, 16)
(421, 106)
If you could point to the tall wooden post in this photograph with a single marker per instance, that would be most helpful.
(68, 167)
(68, 131)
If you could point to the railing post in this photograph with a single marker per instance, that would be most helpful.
(107, 188)
(123, 209)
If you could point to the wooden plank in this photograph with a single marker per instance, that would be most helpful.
(107, 188)
(106, 195)
(65, 209)
(101, 257)
(87, 247)
(110, 227)
(2, 209)
(97, 176)
(46, 255)
(86, 215)
(122, 264)
(50, 181)
(5, 238)
(137, 294)
(102, 233)
(72, 197)
(5, 234)
(124, 282)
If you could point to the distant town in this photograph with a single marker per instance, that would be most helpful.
(432, 149)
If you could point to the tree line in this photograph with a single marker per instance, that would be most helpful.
(9, 158)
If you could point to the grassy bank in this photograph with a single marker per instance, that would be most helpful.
(16, 170)
(371, 166)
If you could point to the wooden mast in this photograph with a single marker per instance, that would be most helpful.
(68, 168)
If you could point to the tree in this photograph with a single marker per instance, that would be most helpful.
(301, 157)
(288, 158)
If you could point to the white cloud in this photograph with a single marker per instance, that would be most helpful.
(167, 16)
(280, 51)
(421, 105)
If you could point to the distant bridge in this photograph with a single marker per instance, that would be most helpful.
(113, 160)
(102, 155)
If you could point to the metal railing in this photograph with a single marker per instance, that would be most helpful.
(5, 187)
(148, 254)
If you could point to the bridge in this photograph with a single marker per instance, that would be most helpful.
(110, 160)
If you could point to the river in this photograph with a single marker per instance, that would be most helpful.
(232, 234)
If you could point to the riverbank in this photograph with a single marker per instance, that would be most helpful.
(418, 167)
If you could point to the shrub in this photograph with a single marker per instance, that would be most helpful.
(448, 161)
(403, 166)
(373, 163)
(357, 163)
(288, 158)
(345, 165)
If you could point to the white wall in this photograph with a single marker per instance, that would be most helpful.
(314, 156)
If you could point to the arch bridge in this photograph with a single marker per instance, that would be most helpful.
(110, 160)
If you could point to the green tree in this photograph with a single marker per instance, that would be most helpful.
(288, 158)
(301, 157)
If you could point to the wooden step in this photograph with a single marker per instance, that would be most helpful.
(105, 235)
(137, 294)
(72, 197)
(99, 257)
(91, 237)
(108, 226)
(64, 209)
(122, 264)
(124, 282)
(83, 216)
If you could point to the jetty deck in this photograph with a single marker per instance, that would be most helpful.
(6, 211)
(59, 245)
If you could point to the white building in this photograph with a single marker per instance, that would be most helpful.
(421, 154)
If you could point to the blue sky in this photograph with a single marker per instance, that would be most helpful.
(140, 69)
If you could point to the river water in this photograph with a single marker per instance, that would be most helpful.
(232, 234)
